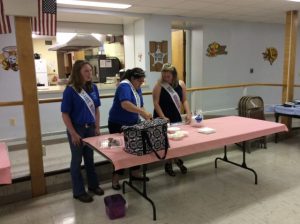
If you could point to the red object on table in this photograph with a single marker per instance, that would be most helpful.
(229, 130)
(5, 171)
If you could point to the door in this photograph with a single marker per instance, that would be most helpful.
(178, 53)
(69, 64)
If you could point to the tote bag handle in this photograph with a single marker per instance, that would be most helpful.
(146, 140)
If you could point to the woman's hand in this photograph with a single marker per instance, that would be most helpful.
(97, 131)
(146, 115)
(76, 139)
(188, 118)
(167, 119)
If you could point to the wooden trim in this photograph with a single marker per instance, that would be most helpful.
(30, 103)
(231, 86)
(290, 47)
(57, 100)
(11, 103)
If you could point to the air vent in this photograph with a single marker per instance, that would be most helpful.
(48, 42)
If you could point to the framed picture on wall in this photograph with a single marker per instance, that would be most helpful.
(158, 55)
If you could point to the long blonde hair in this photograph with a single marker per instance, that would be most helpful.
(170, 68)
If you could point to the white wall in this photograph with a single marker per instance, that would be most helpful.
(151, 28)
(129, 48)
(196, 67)
(157, 28)
(10, 88)
(245, 44)
(72, 27)
(139, 44)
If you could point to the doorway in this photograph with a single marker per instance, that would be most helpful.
(179, 53)
(69, 63)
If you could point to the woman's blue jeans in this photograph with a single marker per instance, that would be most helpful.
(88, 156)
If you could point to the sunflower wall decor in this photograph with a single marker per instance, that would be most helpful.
(270, 54)
(214, 49)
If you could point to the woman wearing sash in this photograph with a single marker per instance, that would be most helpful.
(169, 94)
(80, 113)
(127, 109)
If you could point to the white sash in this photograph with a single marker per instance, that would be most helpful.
(135, 93)
(88, 101)
(173, 94)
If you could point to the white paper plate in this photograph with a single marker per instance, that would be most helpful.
(177, 138)
(206, 130)
(178, 135)
(173, 129)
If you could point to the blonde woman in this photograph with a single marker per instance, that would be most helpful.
(169, 95)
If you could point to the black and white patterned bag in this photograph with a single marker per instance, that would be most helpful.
(147, 137)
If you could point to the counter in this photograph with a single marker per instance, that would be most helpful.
(45, 92)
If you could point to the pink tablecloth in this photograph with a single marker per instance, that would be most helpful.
(5, 173)
(229, 130)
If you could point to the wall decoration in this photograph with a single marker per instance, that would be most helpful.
(8, 58)
(214, 49)
(270, 54)
(140, 56)
(158, 55)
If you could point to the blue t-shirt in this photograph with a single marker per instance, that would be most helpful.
(77, 109)
(117, 114)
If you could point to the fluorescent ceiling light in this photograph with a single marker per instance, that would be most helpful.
(293, 0)
(93, 4)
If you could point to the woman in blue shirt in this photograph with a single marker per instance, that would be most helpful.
(127, 109)
(80, 113)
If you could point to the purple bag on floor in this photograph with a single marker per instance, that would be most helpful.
(115, 206)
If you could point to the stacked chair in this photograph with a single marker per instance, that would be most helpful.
(253, 107)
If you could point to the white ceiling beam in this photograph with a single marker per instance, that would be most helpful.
(26, 8)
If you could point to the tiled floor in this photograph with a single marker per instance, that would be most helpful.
(205, 195)
(58, 156)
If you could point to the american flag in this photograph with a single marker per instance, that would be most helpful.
(4, 21)
(45, 23)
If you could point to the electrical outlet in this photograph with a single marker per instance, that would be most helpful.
(12, 121)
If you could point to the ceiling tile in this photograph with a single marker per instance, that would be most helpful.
(175, 12)
(158, 3)
(143, 9)
(244, 10)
